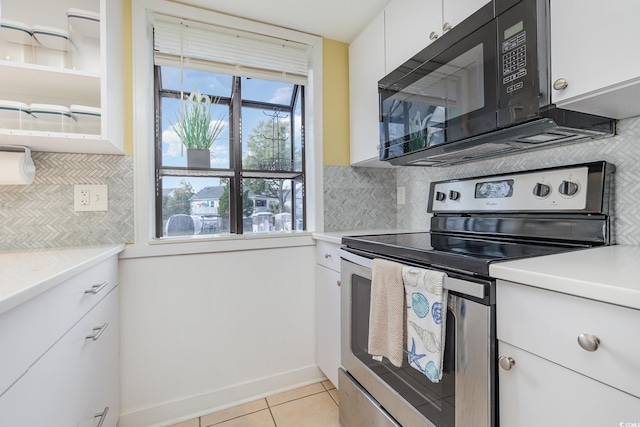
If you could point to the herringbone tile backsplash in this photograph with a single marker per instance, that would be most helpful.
(346, 209)
(41, 215)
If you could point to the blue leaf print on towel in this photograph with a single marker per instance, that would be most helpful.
(420, 304)
(436, 312)
(432, 372)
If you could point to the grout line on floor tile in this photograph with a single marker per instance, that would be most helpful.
(297, 398)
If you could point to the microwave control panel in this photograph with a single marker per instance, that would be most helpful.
(514, 59)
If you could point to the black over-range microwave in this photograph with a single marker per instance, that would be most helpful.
(481, 90)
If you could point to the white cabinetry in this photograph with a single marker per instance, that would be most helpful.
(328, 309)
(366, 68)
(95, 83)
(411, 25)
(594, 49)
(553, 378)
(61, 352)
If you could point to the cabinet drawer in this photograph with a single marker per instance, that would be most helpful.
(30, 329)
(548, 324)
(327, 255)
(536, 392)
(59, 387)
(106, 402)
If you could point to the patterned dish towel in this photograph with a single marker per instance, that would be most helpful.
(387, 312)
(426, 301)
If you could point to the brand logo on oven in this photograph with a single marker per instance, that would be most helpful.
(492, 204)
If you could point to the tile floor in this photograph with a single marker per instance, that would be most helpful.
(315, 405)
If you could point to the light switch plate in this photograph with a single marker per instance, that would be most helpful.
(90, 198)
(400, 196)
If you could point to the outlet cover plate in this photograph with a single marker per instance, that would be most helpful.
(90, 198)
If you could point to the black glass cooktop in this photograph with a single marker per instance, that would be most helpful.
(450, 252)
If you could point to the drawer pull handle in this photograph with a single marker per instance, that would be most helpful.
(339, 283)
(433, 35)
(102, 415)
(588, 342)
(96, 288)
(97, 332)
(327, 256)
(506, 363)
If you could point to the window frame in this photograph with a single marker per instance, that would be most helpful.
(140, 132)
(236, 172)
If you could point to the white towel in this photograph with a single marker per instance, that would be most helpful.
(387, 312)
(426, 317)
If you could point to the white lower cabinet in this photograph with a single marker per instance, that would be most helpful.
(77, 377)
(536, 392)
(565, 360)
(328, 310)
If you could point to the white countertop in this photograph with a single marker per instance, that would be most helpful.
(26, 274)
(609, 274)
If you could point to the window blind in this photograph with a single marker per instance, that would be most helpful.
(190, 44)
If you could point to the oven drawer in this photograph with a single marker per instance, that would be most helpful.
(548, 324)
(358, 408)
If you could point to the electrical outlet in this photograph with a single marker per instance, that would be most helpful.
(400, 195)
(90, 198)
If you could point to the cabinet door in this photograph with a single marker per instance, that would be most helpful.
(328, 321)
(594, 47)
(536, 392)
(456, 11)
(366, 68)
(408, 24)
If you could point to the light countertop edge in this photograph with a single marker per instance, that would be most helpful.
(608, 274)
(28, 273)
(336, 236)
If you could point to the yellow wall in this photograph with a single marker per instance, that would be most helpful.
(335, 60)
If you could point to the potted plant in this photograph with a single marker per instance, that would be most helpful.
(197, 127)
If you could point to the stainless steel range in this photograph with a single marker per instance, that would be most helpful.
(475, 222)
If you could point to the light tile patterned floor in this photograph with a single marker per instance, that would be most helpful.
(315, 405)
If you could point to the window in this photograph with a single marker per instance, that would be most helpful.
(250, 176)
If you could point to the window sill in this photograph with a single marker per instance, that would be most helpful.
(220, 243)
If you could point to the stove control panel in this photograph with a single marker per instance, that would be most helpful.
(559, 189)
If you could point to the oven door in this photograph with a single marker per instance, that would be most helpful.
(450, 97)
(463, 397)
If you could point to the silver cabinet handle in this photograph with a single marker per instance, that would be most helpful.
(506, 363)
(96, 288)
(433, 35)
(339, 283)
(588, 342)
(446, 27)
(102, 415)
(97, 332)
(327, 256)
(560, 84)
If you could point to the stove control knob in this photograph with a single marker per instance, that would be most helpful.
(568, 188)
(454, 195)
(541, 190)
(440, 196)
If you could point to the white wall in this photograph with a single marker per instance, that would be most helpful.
(206, 331)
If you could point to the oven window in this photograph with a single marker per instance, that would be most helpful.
(435, 401)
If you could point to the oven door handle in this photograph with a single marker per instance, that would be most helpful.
(356, 259)
(465, 287)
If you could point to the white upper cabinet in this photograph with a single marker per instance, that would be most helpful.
(366, 68)
(62, 89)
(408, 24)
(411, 25)
(454, 12)
(594, 50)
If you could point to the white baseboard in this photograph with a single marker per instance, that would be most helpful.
(181, 410)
